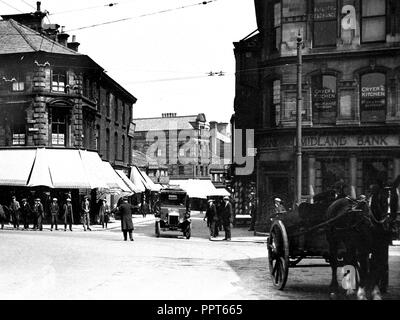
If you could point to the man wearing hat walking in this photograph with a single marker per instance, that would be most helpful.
(212, 218)
(38, 213)
(68, 214)
(227, 218)
(26, 211)
(125, 211)
(54, 210)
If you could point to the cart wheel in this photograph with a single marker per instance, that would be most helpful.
(188, 232)
(278, 254)
(158, 231)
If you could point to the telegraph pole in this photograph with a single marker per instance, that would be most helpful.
(299, 109)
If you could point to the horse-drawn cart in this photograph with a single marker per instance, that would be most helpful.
(302, 234)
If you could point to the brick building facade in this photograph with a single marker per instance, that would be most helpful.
(53, 96)
(351, 100)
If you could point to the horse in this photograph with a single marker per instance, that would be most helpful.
(363, 227)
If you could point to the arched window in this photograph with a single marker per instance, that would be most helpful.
(324, 99)
(373, 97)
(116, 146)
(123, 148)
(108, 149)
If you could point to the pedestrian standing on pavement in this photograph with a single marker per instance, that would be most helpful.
(54, 211)
(212, 218)
(68, 215)
(227, 218)
(3, 217)
(104, 212)
(38, 212)
(26, 212)
(86, 213)
(125, 211)
(15, 211)
(145, 209)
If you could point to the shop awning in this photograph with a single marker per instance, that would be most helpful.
(200, 189)
(149, 183)
(138, 180)
(16, 167)
(58, 168)
(128, 182)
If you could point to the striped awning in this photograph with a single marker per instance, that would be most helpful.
(59, 168)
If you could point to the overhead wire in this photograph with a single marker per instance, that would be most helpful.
(111, 4)
(28, 4)
(142, 15)
(9, 5)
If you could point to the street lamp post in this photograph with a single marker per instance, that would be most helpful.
(299, 109)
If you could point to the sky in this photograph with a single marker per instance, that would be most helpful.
(162, 59)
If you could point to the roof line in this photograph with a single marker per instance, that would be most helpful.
(195, 115)
(16, 27)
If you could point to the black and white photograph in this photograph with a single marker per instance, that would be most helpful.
(218, 152)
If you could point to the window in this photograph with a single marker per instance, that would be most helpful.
(276, 27)
(276, 101)
(97, 141)
(116, 106)
(123, 148)
(181, 170)
(18, 127)
(58, 81)
(108, 104)
(116, 146)
(373, 20)
(293, 20)
(324, 99)
(373, 97)
(108, 151)
(325, 23)
(123, 113)
(58, 127)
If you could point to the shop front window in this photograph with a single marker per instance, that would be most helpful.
(333, 171)
(373, 20)
(325, 23)
(375, 171)
(324, 99)
(373, 97)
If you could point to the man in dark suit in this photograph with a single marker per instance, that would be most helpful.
(227, 218)
(125, 211)
(212, 218)
(39, 214)
(68, 214)
(15, 210)
(26, 211)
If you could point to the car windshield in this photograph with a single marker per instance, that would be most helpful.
(170, 199)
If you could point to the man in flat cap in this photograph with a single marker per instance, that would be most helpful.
(54, 211)
(86, 213)
(15, 211)
(278, 208)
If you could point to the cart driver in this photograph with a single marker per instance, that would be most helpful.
(278, 208)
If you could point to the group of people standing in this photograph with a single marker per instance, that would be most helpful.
(24, 212)
(219, 214)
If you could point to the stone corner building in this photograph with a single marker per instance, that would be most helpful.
(53, 96)
(351, 95)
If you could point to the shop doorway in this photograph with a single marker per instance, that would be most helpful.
(278, 186)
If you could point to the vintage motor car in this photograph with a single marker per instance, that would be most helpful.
(173, 213)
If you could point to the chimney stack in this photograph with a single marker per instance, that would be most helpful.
(63, 37)
(169, 115)
(38, 4)
(73, 45)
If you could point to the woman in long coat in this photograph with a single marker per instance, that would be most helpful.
(125, 211)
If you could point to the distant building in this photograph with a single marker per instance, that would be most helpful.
(220, 153)
(157, 171)
(181, 143)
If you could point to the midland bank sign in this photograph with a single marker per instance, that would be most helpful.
(336, 141)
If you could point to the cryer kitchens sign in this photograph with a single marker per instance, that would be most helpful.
(336, 141)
